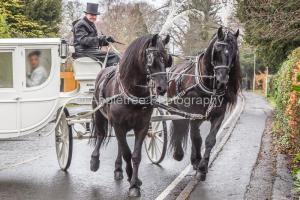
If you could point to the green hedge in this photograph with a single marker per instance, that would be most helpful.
(281, 90)
(286, 122)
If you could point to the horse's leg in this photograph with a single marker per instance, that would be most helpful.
(118, 165)
(124, 148)
(135, 182)
(210, 142)
(196, 143)
(100, 132)
(179, 132)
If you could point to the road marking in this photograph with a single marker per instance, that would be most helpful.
(29, 160)
(21, 163)
(178, 179)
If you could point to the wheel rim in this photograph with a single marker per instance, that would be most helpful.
(155, 140)
(62, 141)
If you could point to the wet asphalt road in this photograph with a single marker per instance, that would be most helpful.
(29, 170)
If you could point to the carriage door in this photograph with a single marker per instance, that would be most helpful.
(40, 86)
(9, 93)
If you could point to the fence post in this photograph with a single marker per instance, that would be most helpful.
(267, 74)
(254, 63)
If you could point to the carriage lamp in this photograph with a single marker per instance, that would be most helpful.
(64, 49)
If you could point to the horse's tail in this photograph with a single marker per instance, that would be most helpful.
(99, 126)
(179, 133)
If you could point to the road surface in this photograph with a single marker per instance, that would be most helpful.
(29, 170)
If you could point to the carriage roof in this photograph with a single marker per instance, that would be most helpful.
(29, 41)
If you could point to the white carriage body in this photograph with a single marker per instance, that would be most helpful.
(85, 71)
(24, 109)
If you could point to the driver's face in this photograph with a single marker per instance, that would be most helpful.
(91, 17)
(34, 61)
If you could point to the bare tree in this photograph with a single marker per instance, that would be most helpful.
(124, 21)
(190, 23)
(72, 10)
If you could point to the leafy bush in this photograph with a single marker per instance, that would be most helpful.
(286, 91)
(287, 103)
(296, 175)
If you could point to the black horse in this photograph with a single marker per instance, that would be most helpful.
(211, 89)
(145, 59)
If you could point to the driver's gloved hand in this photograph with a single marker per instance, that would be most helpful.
(110, 39)
(103, 40)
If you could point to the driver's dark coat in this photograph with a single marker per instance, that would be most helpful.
(86, 38)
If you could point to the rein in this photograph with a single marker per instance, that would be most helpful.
(152, 99)
(127, 96)
(199, 84)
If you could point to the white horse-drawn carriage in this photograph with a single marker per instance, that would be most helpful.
(25, 109)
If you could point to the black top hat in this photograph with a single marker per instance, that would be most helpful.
(92, 8)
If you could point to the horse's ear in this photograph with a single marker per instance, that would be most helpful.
(154, 40)
(237, 33)
(166, 40)
(220, 33)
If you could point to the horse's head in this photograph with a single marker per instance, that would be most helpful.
(146, 59)
(157, 60)
(224, 51)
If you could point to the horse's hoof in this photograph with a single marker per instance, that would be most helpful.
(201, 176)
(203, 166)
(94, 164)
(118, 175)
(134, 192)
(195, 165)
(139, 182)
(178, 155)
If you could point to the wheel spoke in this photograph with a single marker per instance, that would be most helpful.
(149, 144)
(152, 147)
(60, 150)
(157, 147)
(157, 133)
(159, 139)
(66, 153)
(63, 156)
(155, 142)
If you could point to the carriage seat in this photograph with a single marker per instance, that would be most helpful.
(85, 72)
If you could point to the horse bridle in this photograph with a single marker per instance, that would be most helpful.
(150, 52)
(198, 74)
(212, 56)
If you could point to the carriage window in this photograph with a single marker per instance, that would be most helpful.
(6, 70)
(38, 66)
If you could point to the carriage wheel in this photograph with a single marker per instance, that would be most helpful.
(63, 141)
(156, 140)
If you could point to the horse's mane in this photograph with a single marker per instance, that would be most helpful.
(234, 83)
(133, 61)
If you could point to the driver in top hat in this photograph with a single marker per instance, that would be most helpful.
(87, 41)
